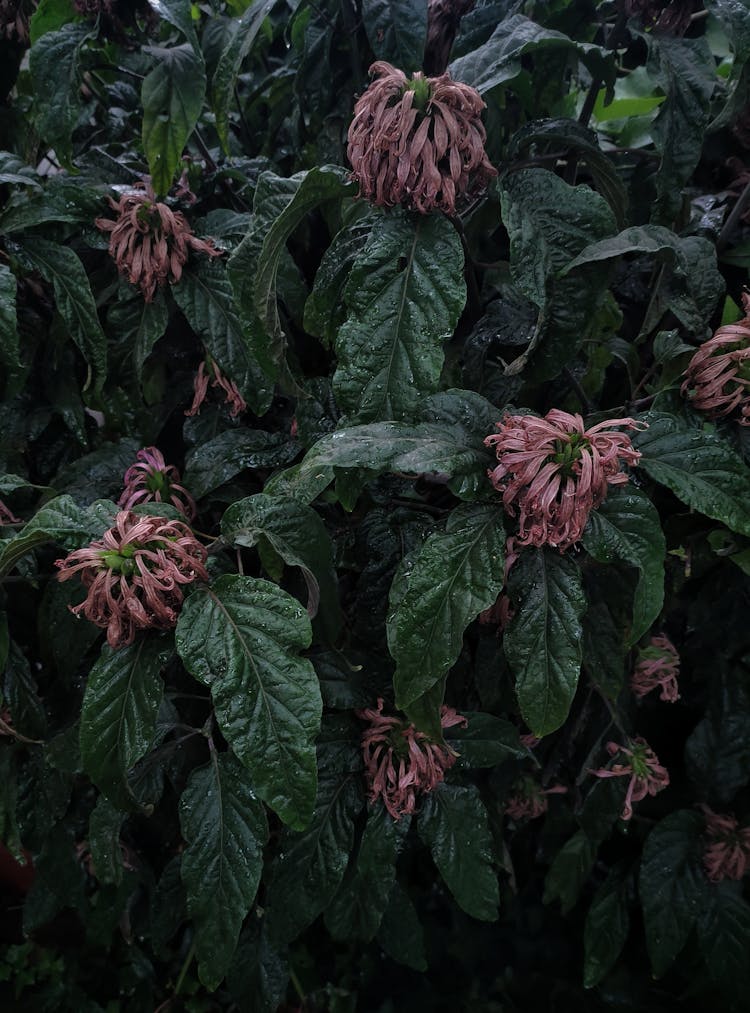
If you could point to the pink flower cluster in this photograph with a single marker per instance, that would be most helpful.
(232, 396)
(555, 472)
(401, 762)
(151, 479)
(418, 142)
(148, 241)
(727, 853)
(529, 800)
(641, 765)
(658, 666)
(718, 375)
(134, 575)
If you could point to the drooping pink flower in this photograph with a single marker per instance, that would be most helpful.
(134, 575)
(718, 375)
(555, 472)
(7, 516)
(151, 479)
(148, 241)
(658, 666)
(640, 764)
(443, 19)
(727, 853)
(232, 396)
(528, 800)
(401, 762)
(418, 142)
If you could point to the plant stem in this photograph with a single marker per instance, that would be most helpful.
(184, 969)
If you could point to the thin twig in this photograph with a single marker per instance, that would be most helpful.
(580, 392)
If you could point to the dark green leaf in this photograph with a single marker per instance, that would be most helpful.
(626, 526)
(357, 908)
(485, 742)
(215, 462)
(325, 310)
(62, 200)
(299, 536)
(401, 934)
(311, 865)
(717, 752)
(543, 642)
(569, 871)
(118, 714)
(53, 61)
(404, 295)
(699, 467)
(724, 939)
(172, 96)
(21, 695)
(178, 13)
(9, 346)
(453, 823)
(61, 266)
(606, 930)
(397, 32)
(225, 828)
(673, 887)
(168, 907)
(242, 638)
(60, 520)
(225, 76)
(204, 295)
(258, 975)
(105, 824)
(138, 324)
(458, 572)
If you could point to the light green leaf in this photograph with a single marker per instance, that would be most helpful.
(453, 823)
(178, 13)
(224, 827)
(172, 96)
(204, 294)
(543, 643)
(699, 467)
(75, 303)
(405, 294)
(458, 572)
(49, 16)
(626, 526)
(242, 637)
(118, 714)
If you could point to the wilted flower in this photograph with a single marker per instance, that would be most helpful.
(232, 396)
(418, 142)
(727, 854)
(7, 516)
(658, 666)
(152, 479)
(134, 574)
(672, 17)
(556, 472)
(149, 242)
(443, 19)
(14, 20)
(647, 776)
(718, 375)
(529, 800)
(401, 762)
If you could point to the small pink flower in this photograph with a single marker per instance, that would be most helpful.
(556, 472)
(401, 762)
(148, 241)
(151, 479)
(658, 666)
(232, 396)
(647, 776)
(727, 853)
(7, 516)
(718, 375)
(134, 574)
(418, 142)
(529, 800)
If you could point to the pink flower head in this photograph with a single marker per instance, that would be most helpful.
(658, 666)
(418, 142)
(727, 853)
(641, 765)
(148, 241)
(134, 574)
(7, 516)
(556, 472)
(232, 396)
(529, 800)
(152, 479)
(718, 375)
(401, 762)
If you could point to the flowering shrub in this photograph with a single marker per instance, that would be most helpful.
(374, 505)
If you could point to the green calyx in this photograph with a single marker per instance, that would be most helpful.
(121, 562)
(157, 481)
(421, 88)
(567, 452)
